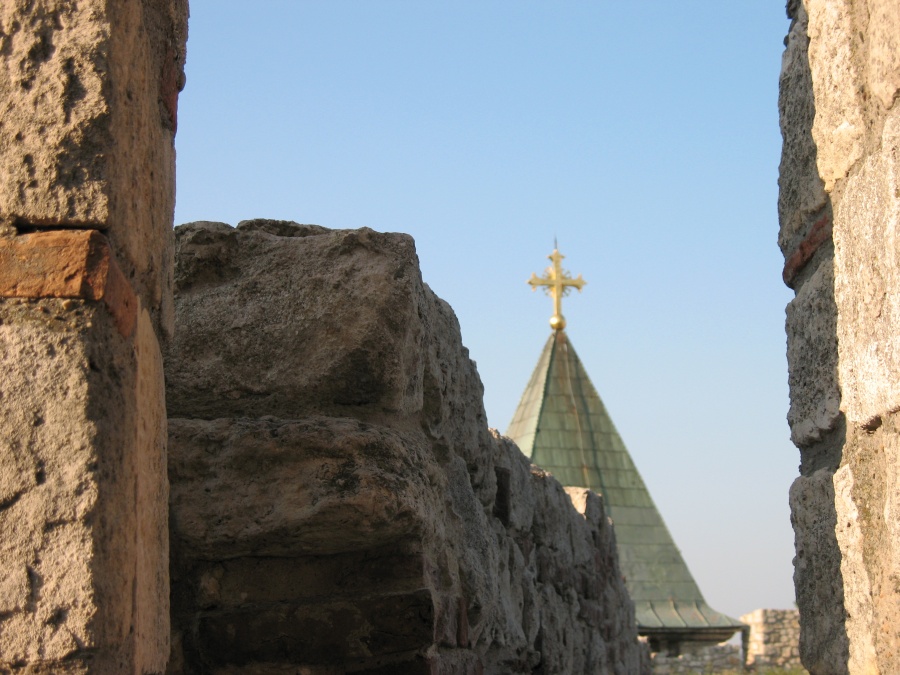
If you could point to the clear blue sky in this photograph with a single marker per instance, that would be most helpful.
(643, 135)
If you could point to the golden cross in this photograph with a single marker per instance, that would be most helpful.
(557, 284)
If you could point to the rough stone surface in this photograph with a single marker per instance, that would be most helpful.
(724, 658)
(82, 513)
(838, 102)
(817, 577)
(839, 126)
(867, 497)
(87, 133)
(883, 50)
(867, 257)
(812, 359)
(801, 194)
(773, 640)
(87, 111)
(337, 501)
(293, 345)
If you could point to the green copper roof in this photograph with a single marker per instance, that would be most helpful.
(563, 426)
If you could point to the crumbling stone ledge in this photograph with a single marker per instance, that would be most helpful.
(337, 500)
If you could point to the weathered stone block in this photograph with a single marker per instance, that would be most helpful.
(839, 128)
(318, 485)
(883, 50)
(867, 493)
(346, 328)
(274, 518)
(824, 646)
(867, 276)
(329, 632)
(55, 111)
(857, 585)
(801, 192)
(395, 568)
(298, 345)
(83, 430)
(88, 125)
(812, 358)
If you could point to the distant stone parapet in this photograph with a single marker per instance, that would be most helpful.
(723, 658)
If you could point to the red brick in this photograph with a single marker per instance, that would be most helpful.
(819, 233)
(67, 264)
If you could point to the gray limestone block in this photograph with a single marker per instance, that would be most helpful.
(817, 574)
(287, 488)
(379, 626)
(324, 412)
(811, 326)
(801, 192)
(514, 500)
(280, 325)
(277, 318)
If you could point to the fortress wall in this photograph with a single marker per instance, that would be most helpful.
(337, 501)
(88, 93)
(839, 210)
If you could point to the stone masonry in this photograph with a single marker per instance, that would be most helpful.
(773, 640)
(770, 644)
(338, 503)
(697, 659)
(839, 211)
(88, 95)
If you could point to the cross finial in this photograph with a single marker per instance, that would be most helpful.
(557, 284)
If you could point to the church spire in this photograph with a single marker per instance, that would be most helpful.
(563, 426)
(557, 283)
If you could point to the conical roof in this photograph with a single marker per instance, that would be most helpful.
(563, 426)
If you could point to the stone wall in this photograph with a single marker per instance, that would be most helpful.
(88, 95)
(337, 500)
(839, 211)
(770, 642)
(773, 640)
(725, 658)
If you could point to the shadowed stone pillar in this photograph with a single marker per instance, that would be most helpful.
(87, 177)
(839, 210)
